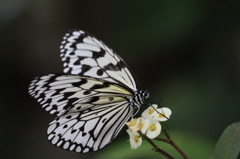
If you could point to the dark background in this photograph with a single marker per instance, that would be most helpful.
(185, 52)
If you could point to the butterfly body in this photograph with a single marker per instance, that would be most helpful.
(93, 99)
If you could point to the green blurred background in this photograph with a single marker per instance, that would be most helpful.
(185, 52)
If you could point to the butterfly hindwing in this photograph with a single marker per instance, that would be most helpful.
(89, 130)
(82, 54)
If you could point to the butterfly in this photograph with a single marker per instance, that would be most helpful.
(94, 97)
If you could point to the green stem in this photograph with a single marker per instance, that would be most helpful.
(155, 147)
(171, 142)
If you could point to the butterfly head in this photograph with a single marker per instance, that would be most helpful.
(142, 94)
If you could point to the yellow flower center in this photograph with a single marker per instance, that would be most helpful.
(132, 122)
(150, 111)
(136, 139)
(141, 125)
(161, 115)
(152, 127)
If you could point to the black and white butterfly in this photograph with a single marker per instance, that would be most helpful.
(93, 99)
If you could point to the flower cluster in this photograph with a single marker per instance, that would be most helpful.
(148, 124)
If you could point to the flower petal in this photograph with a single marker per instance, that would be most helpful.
(154, 129)
(135, 139)
(134, 124)
(162, 114)
(150, 111)
(144, 125)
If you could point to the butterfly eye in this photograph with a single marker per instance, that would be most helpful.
(146, 94)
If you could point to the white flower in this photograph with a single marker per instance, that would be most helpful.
(134, 124)
(149, 112)
(144, 125)
(154, 129)
(135, 139)
(162, 114)
(148, 124)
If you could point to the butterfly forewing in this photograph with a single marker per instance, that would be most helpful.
(59, 93)
(84, 55)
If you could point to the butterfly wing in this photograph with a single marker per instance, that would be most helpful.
(85, 55)
(89, 130)
(60, 93)
(90, 112)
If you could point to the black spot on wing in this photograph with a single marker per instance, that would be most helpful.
(85, 68)
(100, 72)
(120, 65)
(66, 107)
(73, 131)
(69, 117)
(110, 98)
(86, 92)
(49, 100)
(111, 67)
(94, 99)
(99, 86)
(97, 55)
(78, 84)
(84, 134)
(91, 133)
(52, 79)
(43, 95)
(104, 120)
(71, 53)
(54, 107)
(66, 95)
(78, 61)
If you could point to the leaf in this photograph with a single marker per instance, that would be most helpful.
(228, 145)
